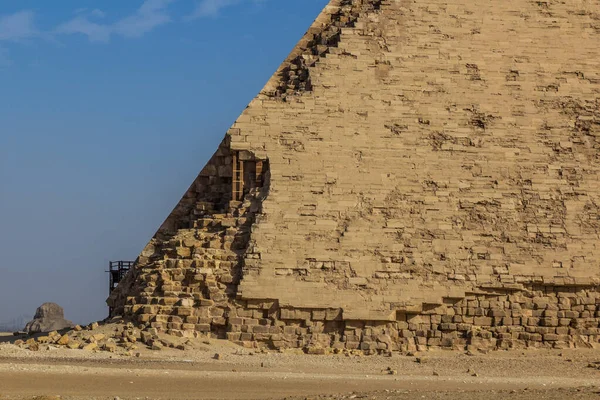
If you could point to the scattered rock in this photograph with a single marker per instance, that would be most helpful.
(73, 345)
(217, 356)
(93, 326)
(90, 347)
(435, 373)
(110, 346)
(152, 331)
(43, 339)
(595, 365)
(315, 350)
(146, 337)
(96, 338)
(63, 341)
(132, 338)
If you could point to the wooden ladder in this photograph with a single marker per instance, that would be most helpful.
(237, 187)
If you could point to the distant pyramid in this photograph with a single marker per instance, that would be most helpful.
(414, 175)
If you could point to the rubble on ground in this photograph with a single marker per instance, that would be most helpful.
(116, 336)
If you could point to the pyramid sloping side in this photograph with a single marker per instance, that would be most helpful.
(429, 164)
(445, 147)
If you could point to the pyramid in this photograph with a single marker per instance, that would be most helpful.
(414, 176)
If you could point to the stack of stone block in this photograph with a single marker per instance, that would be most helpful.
(432, 181)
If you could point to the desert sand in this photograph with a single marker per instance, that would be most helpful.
(216, 369)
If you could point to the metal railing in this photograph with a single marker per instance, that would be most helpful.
(117, 271)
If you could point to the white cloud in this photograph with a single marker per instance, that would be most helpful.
(94, 13)
(18, 26)
(211, 8)
(95, 32)
(98, 13)
(150, 15)
(15, 27)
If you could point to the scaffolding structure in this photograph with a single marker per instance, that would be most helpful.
(116, 272)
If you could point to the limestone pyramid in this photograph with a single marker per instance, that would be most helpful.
(414, 175)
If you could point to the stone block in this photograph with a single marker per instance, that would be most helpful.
(482, 321)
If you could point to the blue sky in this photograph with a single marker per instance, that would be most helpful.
(108, 110)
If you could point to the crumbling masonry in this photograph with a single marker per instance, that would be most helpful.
(415, 175)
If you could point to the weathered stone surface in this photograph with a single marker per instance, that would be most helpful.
(415, 175)
(63, 341)
(48, 317)
(90, 347)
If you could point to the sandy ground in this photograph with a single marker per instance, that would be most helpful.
(244, 374)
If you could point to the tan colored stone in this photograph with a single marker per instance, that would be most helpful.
(90, 346)
(110, 346)
(63, 340)
(97, 337)
(420, 194)
(43, 339)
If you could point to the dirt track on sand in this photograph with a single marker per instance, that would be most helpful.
(242, 374)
